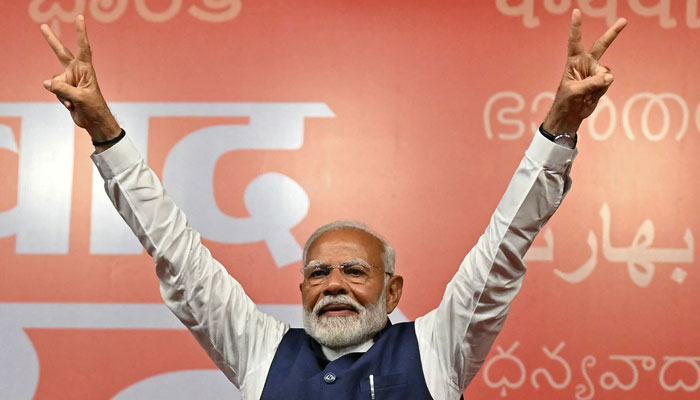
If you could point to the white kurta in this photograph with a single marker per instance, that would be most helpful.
(453, 339)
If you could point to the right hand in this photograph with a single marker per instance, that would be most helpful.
(77, 89)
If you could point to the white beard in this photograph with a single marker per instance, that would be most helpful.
(339, 332)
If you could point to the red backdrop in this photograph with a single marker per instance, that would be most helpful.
(408, 115)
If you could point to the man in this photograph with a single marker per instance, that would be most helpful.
(348, 348)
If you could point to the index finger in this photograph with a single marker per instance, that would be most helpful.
(603, 42)
(575, 46)
(83, 43)
(63, 54)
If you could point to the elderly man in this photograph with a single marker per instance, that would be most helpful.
(348, 349)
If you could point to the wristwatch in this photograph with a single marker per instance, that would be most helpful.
(562, 139)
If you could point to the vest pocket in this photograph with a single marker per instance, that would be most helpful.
(393, 381)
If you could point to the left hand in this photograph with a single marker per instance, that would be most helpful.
(584, 82)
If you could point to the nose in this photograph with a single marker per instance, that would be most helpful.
(336, 283)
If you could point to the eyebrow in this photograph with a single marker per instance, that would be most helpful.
(317, 263)
(313, 263)
(357, 261)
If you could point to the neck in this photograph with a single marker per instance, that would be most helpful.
(334, 354)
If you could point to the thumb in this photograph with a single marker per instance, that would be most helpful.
(61, 89)
(594, 84)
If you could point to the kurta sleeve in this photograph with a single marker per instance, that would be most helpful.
(239, 338)
(455, 338)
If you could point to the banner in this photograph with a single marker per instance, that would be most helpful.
(266, 119)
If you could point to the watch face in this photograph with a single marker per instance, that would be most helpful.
(565, 140)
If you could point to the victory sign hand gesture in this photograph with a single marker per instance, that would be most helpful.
(584, 82)
(77, 86)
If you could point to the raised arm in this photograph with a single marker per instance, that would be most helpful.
(239, 338)
(455, 338)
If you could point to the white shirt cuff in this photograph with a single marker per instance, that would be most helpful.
(547, 153)
(116, 159)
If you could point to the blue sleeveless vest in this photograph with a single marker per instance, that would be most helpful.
(301, 371)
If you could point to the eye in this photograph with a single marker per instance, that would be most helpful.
(318, 272)
(354, 270)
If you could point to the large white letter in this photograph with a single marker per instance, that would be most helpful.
(41, 219)
(663, 10)
(554, 8)
(500, 116)
(275, 202)
(691, 14)
(526, 9)
(645, 119)
(608, 11)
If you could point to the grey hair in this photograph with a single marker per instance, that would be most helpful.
(388, 255)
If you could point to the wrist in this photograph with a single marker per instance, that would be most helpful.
(557, 126)
(102, 146)
(106, 130)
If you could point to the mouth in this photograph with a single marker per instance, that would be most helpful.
(337, 310)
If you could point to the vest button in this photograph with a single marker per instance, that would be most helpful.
(329, 377)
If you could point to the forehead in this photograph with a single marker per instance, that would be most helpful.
(344, 244)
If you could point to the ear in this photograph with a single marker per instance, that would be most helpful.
(393, 292)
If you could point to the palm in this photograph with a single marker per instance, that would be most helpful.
(579, 69)
(80, 76)
(584, 81)
(77, 86)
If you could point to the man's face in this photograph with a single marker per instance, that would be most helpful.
(341, 310)
(335, 248)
